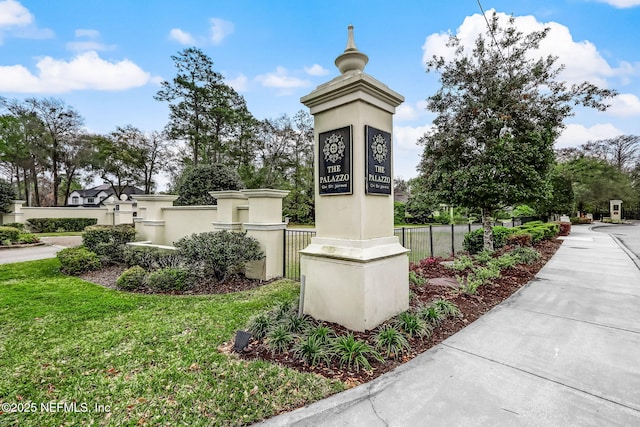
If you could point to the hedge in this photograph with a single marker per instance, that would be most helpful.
(53, 225)
(474, 241)
(108, 241)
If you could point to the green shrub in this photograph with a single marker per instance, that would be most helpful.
(219, 254)
(391, 342)
(399, 213)
(28, 238)
(108, 241)
(9, 233)
(483, 257)
(525, 255)
(169, 279)
(412, 325)
(76, 261)
(461, 263)
(132, 279)
(151, 258)
(504, 261)
(279, 339)
(474, 240)
(322, 332)
(260, 324)
(415, 279)
(431, 314)
(18, 225)
(519, 238)
(54, 225)
(354, 353)
(295, 324)
(447, 308)
(312, 350)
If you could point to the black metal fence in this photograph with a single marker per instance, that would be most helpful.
(424, 242)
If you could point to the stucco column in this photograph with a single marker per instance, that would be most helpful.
(615, 208)
(15, 214)
(228, 215)
(356, 271)
(123, 213)
(265, 225)
(152, 225)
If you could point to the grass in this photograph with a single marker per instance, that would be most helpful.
(150, 359)
(60, 234)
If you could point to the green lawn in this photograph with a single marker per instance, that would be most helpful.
(146, 358)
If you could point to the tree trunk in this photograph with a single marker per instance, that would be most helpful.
(488, 230)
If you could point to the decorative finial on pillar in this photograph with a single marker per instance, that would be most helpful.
(352, 59)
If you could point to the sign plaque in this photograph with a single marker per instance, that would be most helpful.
(334, 162)
(378, 168)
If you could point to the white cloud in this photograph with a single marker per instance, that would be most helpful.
(582, 60)
(405, 112)
(625, 105)
(281, 79)
(90, 34)
(91, 44)
(220, 29)
(86, 71)
(316, 70)
(181, 37)
(406, 137)
(576, 134)
(240, 83)
(12, 13)
(621, 4)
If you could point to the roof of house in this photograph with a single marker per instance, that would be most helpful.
(106, 188)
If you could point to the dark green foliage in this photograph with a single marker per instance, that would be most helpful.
(218, 254)
(169, 279)
(431, 314)
(416, 279)
(28, 238)
(412, 325)
(108, 241)
(295, 324)
(520, 238)
(446, 307)
(525, 255)
(18, 225)
(399, 213)
(354, 353)
(7, 194)
(321, 332)
(312, 350)
(53, 225)
(196, 182)
(132, 279)
(260, 324)
(76, 261)
(391, 342)
(474, 240)
(279, 339)
(9, 234)
(151, 258)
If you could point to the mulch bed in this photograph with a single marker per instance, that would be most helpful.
(471, 306)
(440, 284)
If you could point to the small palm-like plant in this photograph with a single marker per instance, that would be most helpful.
(295, 324)
(260, 325)
(283, 310)
(354, 353)
(412, 325)
(279, 339)
(312, 350)
(322, 333)
(391, 342)
(447, 308)
(431, 314)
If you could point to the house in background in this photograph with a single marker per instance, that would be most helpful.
(93, 197)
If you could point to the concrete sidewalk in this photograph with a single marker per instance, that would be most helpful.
(563, 351)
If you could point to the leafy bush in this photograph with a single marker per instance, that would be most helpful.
(9, 233)
(151, 258)
(519, 238)
(219, 254)
(565, 228)
(483, 257)
(53, 225)
(196, 182)
(354, 353)
(461, 263)
(132, 279)
(260, 324)
(399, 213)
(28, 238)
(169, 279)
(391, 342)
(322, 332)
(446, 307)
(525, 255)
(18, 225)
(431, 314)
(504, 261)
(76, 261)
(108, 241)
(7, 194)
(295, 324)
(470, 284)
(312, 350)
(474, 240)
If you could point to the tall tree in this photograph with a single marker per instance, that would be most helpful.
(204, 111)
(622, 151)
(498, 114)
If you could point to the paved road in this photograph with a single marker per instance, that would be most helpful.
(49, 250)
(629, 234)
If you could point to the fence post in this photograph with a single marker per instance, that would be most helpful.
(431, 239)
(453, 240)
(285, 253)
(403, 237)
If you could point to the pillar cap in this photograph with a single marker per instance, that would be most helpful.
(265, 193)
(155, 197)
(351, 60)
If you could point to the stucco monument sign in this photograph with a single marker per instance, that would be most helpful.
(356, 271)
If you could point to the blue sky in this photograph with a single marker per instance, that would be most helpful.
(106, 58)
